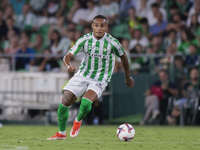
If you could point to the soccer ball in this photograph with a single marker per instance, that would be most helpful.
(125, 132)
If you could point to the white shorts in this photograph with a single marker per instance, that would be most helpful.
(78, 85)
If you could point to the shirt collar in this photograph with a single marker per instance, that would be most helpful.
(102, 39)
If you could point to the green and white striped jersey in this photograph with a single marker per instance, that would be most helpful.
(99, 60)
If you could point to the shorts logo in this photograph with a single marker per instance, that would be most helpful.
(99, 85)
(98, 55)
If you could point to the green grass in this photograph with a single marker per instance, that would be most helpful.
(15, 137)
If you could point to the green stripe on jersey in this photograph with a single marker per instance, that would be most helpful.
(96, 61)
(79, 47)
(105, 46)
(89, 58)
(83, 66)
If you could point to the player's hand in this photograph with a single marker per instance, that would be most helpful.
(129, 82)
(71, 68)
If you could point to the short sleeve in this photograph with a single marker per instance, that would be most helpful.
(78, 46)
(117, 48)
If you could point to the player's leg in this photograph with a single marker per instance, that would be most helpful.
(86, 105)
(63, 113)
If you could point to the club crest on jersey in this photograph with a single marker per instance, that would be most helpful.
(89, 47)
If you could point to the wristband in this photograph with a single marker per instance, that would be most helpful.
(68, 67)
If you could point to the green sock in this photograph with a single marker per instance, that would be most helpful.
(86, 106)
(63, 114)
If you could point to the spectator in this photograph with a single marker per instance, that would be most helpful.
(78, 34)
(14, 45)
(174, 10)
(159, 27)
(9, 12)
(124, 6)
(180, 72)
(166, 62)
(63, 9)
(10, 26)
(6, 43)
(151, 15)
(17, 5)
(37, 6)
(87, 30)
(141, 8)
(79, 16)
(24, 62)
(48, 63)
(90, 12)
(38, 45)
(187, 39)
(27, 20)
(157, 97)
(138, 39)
(51, 7)
(194, 10)
(184, 6)
(76, 7)
(133, 21)
(176, 23)
(171, 38)
(192, 59)
(137, 64)
(145, 27)
(59, 45)
(3, 28)
(194, 25)
(190, 90)
(60, 26)
(110, 10)
(156, 44)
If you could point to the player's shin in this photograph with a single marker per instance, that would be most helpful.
(63, 114)
(85, 107)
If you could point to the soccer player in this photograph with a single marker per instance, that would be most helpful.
(93, 75)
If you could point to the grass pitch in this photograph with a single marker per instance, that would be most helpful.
(15, 137)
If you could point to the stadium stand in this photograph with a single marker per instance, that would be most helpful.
(36, 34)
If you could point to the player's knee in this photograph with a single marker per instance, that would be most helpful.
(66, 103)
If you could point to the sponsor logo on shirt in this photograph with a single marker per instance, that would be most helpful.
(98, 55)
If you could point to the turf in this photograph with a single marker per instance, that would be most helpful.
(15, 137)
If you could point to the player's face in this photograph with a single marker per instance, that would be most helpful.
(99, 27)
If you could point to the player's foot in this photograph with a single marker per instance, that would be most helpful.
(58, 136)
(75, 129)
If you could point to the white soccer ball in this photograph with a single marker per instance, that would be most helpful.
(125, 132)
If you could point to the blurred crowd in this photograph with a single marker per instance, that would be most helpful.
(142, 26)
(156, 35)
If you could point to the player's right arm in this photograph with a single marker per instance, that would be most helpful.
(67, 61)
(72, 52)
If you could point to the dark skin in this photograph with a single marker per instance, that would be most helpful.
(99, 27)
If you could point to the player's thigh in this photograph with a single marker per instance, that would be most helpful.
(77, 86)
(94, 90)
(74, 89)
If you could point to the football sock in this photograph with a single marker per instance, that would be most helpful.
(62, 132)
(85, 107)
(63, 114)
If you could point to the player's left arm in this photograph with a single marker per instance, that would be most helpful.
(128, 79)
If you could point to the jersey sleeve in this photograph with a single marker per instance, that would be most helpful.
(78, 46)
(117, 48)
